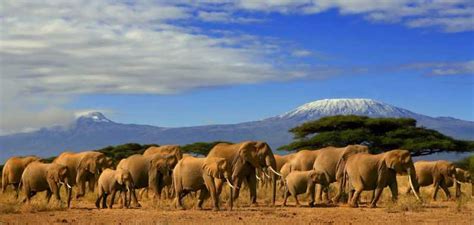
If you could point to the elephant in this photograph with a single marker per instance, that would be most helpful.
(299, 182)
(462, 176)
(437, 173)
(47, 177)
(166, 150)
(192, 174)
(83, 167)
(374, 172)
(12, 170)
(331, 161)
(111, 181)
(148, 171)
(245, 158)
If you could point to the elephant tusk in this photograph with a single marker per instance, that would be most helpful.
(271, 169)
(228, 182)
(412, 187)
(458, 182)
(258, 178)
(268, 176)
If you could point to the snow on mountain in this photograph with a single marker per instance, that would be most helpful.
(92, 116)
(344, 106)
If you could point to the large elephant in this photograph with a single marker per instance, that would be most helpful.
(166, 150)
(199, 174)
(83, 167)
(47, 177)
(331, 161)
(246, 158)
(437, 173)
(148, 171)
(12, 170)
(111, 181)
(374, 172)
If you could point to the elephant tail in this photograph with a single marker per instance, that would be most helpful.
(4, 179)
(341, 163)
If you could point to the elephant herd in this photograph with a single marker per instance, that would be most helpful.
(166, 169)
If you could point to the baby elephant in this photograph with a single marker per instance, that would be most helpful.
(111, 181)
(48, 177)
(300, 182)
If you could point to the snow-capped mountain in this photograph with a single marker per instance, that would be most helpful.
(93, 130)
(344, 106)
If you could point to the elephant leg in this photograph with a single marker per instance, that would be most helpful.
(458, 191)
(91, 184)
(219, 183)
(326, 194)
(104, 201)
(355, 199)
(80, 193)
(319, 193)
(203, 195)
(377, 194)
(339, 192)
(4, 182)
(394, 190)
(97, 201)
(211, 188)
(296, 200)
(48, 195)
(238, 184)
(435, 191)
(134, 198)
(112, 198)
(446, 191)
(252, 183)
(16, 186)
(285, 198)
(179, 199)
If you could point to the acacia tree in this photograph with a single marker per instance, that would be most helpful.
(380, 134)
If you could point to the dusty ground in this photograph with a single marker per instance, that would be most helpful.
(406, 211)
(441, 212)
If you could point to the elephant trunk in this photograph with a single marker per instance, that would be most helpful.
(231, 196)
(457, 186)
(411, 178)
(271, 164)
(69, 192)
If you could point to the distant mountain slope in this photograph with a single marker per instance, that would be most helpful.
(94, 130)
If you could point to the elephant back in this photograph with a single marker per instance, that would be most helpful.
(165, 150)
(224, 150)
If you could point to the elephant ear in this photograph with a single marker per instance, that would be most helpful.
(212, 166)
(87, 164)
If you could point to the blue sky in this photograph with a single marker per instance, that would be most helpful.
(186, 64)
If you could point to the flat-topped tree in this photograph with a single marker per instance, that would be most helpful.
(381, 134)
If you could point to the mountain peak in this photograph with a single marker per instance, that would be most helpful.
(93, 117)
(346, 106)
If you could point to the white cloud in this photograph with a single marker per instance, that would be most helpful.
(446, 15)
(55, 50)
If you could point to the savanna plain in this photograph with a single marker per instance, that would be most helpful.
(407, 210)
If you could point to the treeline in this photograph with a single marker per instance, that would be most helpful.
(379, 134)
